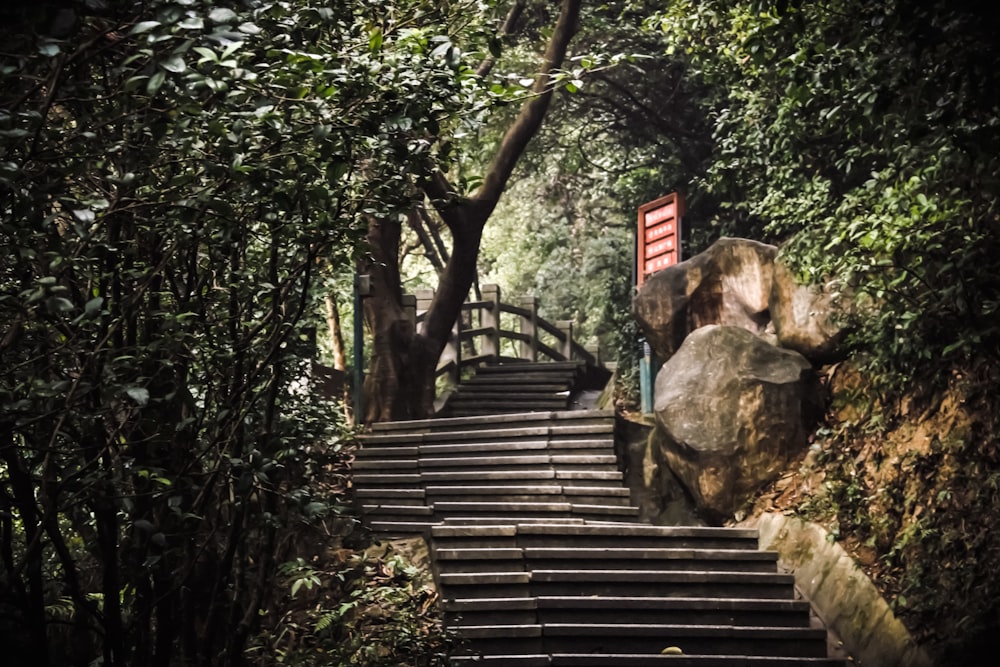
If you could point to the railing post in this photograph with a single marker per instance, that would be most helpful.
(423, 297)
(529, 327)
(410, 308)
(490, 320)
(566, 327)
(594, 351)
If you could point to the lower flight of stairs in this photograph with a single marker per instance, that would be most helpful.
(540, 466)
(611, 595)
(540, 559)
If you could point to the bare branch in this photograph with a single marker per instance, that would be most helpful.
(506, 30)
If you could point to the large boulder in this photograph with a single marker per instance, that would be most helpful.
(804, 317)
(727, 284)
(731, 411)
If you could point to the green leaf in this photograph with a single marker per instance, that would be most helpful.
(143, 26)
(138, 394)
(174, 64)
(222, 15)
(155, 82)
(375, 39)
(93, 307)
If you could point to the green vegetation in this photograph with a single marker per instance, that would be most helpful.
(175, 178)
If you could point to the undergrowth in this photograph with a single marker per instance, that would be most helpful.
(912, 486)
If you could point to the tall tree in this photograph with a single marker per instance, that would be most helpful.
(401, 380)
(173, 176)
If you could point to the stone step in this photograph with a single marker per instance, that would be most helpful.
(643, 660)
(506, 388)
(552, 488)
(513, 400)
(567, 477)
(399, 496)
(486, 435)
(622, 638)
(392, 529)
(622, 583)
(505, 421)
(662, 583)
(530, 366)
(637, 558)
(473, 559)
(503, 512)
(565, 533)
(621, 609)
(598, 445)
(639, 660)
(588, 495)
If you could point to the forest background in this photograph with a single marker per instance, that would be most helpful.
(185, 185)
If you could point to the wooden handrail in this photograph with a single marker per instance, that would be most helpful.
(485, 314)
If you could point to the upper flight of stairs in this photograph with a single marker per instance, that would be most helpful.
(540, 559)
(523, 387)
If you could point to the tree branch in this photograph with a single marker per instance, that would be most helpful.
(506, 30)
(516, 139)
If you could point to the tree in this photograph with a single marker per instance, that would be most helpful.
(401, 380)
(173, 177)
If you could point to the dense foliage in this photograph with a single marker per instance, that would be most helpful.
(864, 138)
(864, 134)
(174, 177)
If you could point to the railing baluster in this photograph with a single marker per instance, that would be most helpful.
(491, 321)
(566, 327)
(529, 327)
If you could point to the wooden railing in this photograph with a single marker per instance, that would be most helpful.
(486, 333)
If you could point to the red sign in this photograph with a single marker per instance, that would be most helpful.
(659, 235)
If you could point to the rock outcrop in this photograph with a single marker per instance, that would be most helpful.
(728, 284)
(739, 283)
(731, 411)
(804, 317)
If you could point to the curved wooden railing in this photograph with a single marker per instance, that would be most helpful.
(492, 331)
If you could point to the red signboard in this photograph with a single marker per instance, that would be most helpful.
(659, 235)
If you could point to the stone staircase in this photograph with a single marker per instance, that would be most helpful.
(540, 559)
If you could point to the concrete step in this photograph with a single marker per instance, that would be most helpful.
(640, 660)
(535, 419)
(667, 610)
(651, 639)
(530, 366)
(565, 477)
(487, 435)
(485, 386)
(665, 583)
(622, 609)
(565, 533)
(637, 558)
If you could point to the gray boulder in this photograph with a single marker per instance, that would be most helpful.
(731, 411)
(804, 317)
(728, 284)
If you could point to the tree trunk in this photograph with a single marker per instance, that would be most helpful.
(336, 334)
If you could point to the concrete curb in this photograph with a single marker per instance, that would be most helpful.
(840, 592)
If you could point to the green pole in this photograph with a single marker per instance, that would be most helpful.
(645, 377)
